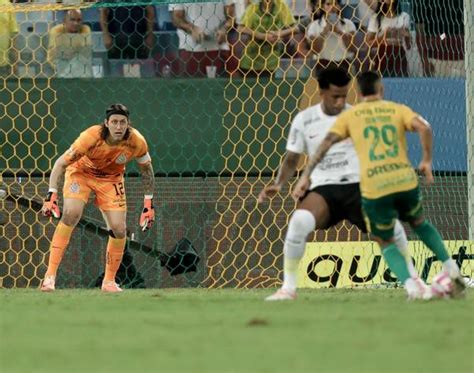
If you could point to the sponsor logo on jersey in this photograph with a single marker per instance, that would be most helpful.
(386, 168)
(121, 159)
(75, 187)
(329, 165)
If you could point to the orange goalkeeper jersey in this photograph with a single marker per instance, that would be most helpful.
(93, 156)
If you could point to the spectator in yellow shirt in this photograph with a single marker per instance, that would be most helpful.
(70, 47)
(8, 30)
(267, 23)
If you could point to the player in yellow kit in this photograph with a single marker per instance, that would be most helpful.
(96, 163)
(389, 184)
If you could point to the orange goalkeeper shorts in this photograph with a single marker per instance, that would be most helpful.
(109, 195)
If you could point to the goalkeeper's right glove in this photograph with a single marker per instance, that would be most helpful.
(148, 214)
(50, 205)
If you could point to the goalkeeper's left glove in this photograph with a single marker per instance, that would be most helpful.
(148, 214)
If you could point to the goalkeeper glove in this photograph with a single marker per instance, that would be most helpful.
(50, 205)
(148, 214)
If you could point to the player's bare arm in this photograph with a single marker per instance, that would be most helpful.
(148, 179)
(423, 128)
(286, 171)
(50, 205)
(180, 21)
(304, 182)
(57, 172)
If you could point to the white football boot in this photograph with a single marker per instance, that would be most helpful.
(420, 291)
(282, 294)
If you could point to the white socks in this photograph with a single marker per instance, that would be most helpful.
(302, 222)
(401, 241)
(452, 268)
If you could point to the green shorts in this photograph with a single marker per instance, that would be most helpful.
(380, 213)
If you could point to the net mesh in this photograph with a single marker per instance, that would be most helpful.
(216, 117)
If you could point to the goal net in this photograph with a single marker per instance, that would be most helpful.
(215, 101)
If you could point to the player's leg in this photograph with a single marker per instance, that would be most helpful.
(116, 221)
(72, 212)
(311, 212)
(401, 240)
(349, 199)
(411, 210)
(76, 193)
(110, 198)
(381, 217)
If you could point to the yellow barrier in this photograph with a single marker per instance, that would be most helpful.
(352, 264)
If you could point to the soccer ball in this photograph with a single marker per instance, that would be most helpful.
(442, 285)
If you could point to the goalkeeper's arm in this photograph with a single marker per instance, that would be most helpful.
(57, 173)
(148, 179)
(50, 205)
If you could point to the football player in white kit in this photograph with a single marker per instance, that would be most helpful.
(334, 194)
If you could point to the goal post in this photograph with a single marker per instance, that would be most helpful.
(469, 63)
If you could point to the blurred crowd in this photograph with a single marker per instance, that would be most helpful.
(234, 38)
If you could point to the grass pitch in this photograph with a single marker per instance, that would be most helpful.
(199, 330)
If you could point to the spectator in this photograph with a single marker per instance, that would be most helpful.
(302, 11)
(8, 31)
(234, 40)
(299, 8)
(70, 47)
(240, 7)
(440, 37)
(331, 37)
(365, 10)
(388, 30)
(312, 11)
(267, 23)
(202, 31)
(128, 30)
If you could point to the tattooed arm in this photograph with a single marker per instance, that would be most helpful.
(148, 178)
(59, 168)
(57, 173)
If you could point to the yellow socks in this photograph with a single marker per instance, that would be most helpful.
(59, 243)
(115, 248)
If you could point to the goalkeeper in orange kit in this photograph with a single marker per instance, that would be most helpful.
(96, 163)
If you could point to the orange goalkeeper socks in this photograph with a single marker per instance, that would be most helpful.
(115, 248)
(59, 243)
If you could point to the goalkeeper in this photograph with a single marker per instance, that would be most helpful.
(96, 163)
(334, 194)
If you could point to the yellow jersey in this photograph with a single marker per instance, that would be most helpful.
(377, 129)
(8, 27)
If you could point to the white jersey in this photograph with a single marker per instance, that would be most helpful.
(208, 16)
(340, 165)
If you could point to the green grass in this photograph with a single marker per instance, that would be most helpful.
(199, 330)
